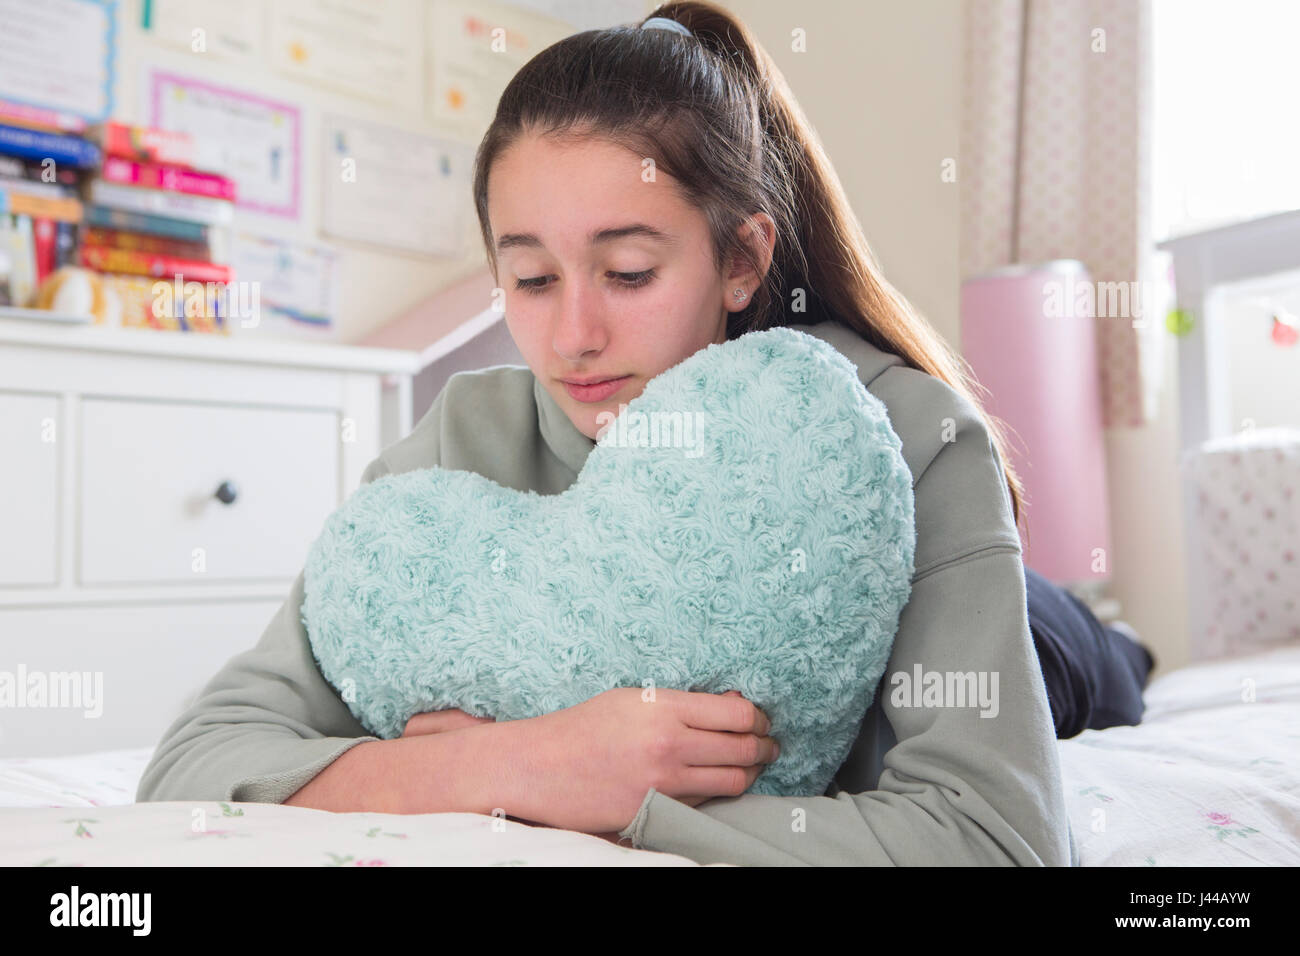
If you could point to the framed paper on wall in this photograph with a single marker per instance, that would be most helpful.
(251, 139)
(62, 57)
(389, 187)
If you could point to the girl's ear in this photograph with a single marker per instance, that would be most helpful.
(759, 233)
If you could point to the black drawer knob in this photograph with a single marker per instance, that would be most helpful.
(227, 492)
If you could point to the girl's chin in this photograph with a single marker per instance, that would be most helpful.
(593, 420)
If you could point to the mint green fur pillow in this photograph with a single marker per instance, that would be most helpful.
(747, 523)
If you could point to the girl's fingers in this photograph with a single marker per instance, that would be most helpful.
(438, 721)
(710, 712)
(709, 782)
(708, 748)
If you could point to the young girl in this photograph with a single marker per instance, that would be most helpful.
(644, 193)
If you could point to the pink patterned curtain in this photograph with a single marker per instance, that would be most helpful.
(1054, 161)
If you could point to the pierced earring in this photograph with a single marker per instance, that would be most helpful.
(739, 294)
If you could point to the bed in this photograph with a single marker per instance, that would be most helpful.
(1209, 778)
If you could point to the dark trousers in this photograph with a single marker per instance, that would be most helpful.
(1094, 675)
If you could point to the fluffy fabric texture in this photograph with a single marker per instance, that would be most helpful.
(746, 523)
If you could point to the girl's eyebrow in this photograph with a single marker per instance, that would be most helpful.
(639, 230)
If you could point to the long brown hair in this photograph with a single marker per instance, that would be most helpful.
(715, 113)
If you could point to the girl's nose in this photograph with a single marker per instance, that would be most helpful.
(580, 327)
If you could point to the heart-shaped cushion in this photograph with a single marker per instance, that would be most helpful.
(745, 523)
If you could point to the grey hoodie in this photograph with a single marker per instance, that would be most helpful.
(978, 784)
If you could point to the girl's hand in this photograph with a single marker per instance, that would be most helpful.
(437, 721)
(589, 766)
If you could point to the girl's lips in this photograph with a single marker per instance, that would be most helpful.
(595, 393)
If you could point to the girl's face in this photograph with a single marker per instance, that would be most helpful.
(609, 279)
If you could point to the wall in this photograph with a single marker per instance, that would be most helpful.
(375, 284)
(1147, 553)
(880, 83)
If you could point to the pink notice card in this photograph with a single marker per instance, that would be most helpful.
(248, 138)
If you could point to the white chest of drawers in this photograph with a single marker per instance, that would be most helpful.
(158, 495)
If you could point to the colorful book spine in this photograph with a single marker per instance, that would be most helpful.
(38, 145)
(65, 244)
(12, 167)
(17, 247)
(170, 178)
(144, 144)
(131, 262)
(199, 310)
(107, 218)
(143, 242)
(157, 202)
(39, 207)
(44, 240)
(33, 117)
(44, 190)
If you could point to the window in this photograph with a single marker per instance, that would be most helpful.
(1226, 112)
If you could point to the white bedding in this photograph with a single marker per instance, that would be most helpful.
(1208, 778)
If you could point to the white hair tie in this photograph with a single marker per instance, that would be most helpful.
(663, 23)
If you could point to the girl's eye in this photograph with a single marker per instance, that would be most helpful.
(532, 285)
(634, 280)
(629, 280)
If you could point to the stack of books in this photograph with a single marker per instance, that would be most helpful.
(43, 162)
(150, 218)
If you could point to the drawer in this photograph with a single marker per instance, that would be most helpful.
(148, 482)
(29, 488)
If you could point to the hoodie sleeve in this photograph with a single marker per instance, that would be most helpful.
(264, 726)
(962, 785)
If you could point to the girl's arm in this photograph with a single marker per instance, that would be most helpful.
(486, 768)
(581, 768)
